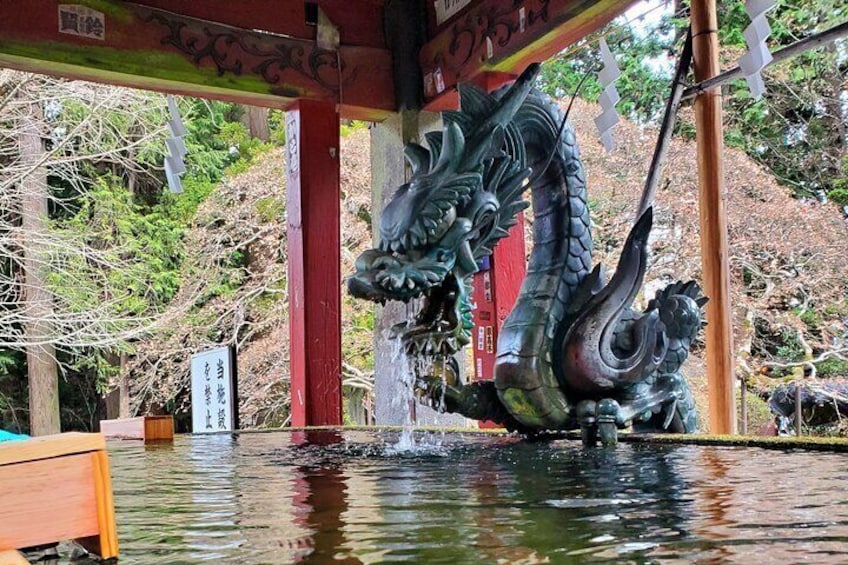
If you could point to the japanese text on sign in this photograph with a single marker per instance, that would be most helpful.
(82, 21)
(213, 399)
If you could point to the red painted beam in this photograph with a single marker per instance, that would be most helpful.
(142, 47)
(360, 22)
(314, 273)
(505, 36)
(488, 81)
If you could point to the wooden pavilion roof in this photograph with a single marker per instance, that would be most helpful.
(265, 52)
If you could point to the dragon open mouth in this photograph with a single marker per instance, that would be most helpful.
(440, 325)
(383, 275)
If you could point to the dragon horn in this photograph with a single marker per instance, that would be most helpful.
(504, 111)
(453, 146)
(417, 156)
(512, 100)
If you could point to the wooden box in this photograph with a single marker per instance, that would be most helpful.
(56, 488)
(145, 428)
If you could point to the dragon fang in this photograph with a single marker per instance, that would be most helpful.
(572, 353)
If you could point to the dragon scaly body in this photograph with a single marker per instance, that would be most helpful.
(572, 353)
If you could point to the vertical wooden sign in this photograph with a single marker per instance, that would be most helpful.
(214, 391)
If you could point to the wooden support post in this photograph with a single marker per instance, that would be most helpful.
(312, 203)
(714, 250)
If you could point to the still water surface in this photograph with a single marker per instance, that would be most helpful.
(350, 498)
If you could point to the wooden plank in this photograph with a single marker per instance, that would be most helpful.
(505, 36)
(146, 428)
(714, 249)
(313, 210)
(153, 49)
(360, 22)
(107, 530)
(45, 447)
(12, 557)
(48, 500)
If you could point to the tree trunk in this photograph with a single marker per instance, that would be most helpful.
(255, 119)
(117, 400)
(124, 387)
(37, 302)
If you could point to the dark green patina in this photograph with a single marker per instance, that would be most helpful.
(572, 353)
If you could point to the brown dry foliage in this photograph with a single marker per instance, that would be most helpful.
(236, 265)
(786, 255)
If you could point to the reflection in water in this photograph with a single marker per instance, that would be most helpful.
(714, 500)
(320, 501)
(296, 498)
(213, 494)
(497, 540)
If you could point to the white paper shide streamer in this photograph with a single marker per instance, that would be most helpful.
(174, 164)
(609, 97)
(758, 55)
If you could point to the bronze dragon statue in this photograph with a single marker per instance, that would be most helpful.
(572, 353)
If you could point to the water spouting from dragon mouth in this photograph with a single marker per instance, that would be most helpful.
(408, 443)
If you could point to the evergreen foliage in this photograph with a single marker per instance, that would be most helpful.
(798, 130)
(115, 235)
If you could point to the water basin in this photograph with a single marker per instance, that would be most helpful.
(352, 497)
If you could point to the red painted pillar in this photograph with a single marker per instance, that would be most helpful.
(312, 203)
(496, 287)
(497, 284)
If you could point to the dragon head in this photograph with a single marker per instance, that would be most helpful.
(464, 195)
(425, 229)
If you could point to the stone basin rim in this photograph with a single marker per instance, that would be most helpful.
(827, 444)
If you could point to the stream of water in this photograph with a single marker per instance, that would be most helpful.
(323, 497)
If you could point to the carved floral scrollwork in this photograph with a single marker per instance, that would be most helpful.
(227, 49)
(498, 24)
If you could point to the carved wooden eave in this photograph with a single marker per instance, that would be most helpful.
(264, 52)
(503, 37)
(145, 46)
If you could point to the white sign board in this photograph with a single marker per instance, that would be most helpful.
(446, 9)
(82, 21)
(213, 391)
